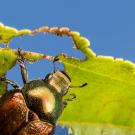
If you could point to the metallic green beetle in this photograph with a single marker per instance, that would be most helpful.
(45, 96)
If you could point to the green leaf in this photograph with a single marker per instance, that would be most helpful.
(106, 105)
(8, 58)
(7, 33)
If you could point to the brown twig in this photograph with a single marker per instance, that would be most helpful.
(59, 31)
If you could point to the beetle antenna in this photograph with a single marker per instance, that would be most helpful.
(83, 85)
(55, 60)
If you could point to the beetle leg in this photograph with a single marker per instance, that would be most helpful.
(70, 99)
(64, 104)
(55, 59)
(23, 67)
(65, 101)
(12, 83)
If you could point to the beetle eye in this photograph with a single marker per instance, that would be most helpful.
(65, 92)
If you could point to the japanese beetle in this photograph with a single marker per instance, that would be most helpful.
(44, 98)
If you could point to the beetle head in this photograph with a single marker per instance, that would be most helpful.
(59, 80)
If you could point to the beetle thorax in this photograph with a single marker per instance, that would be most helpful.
(43, 100)
(59, 81)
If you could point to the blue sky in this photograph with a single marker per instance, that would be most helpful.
(108, 24)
